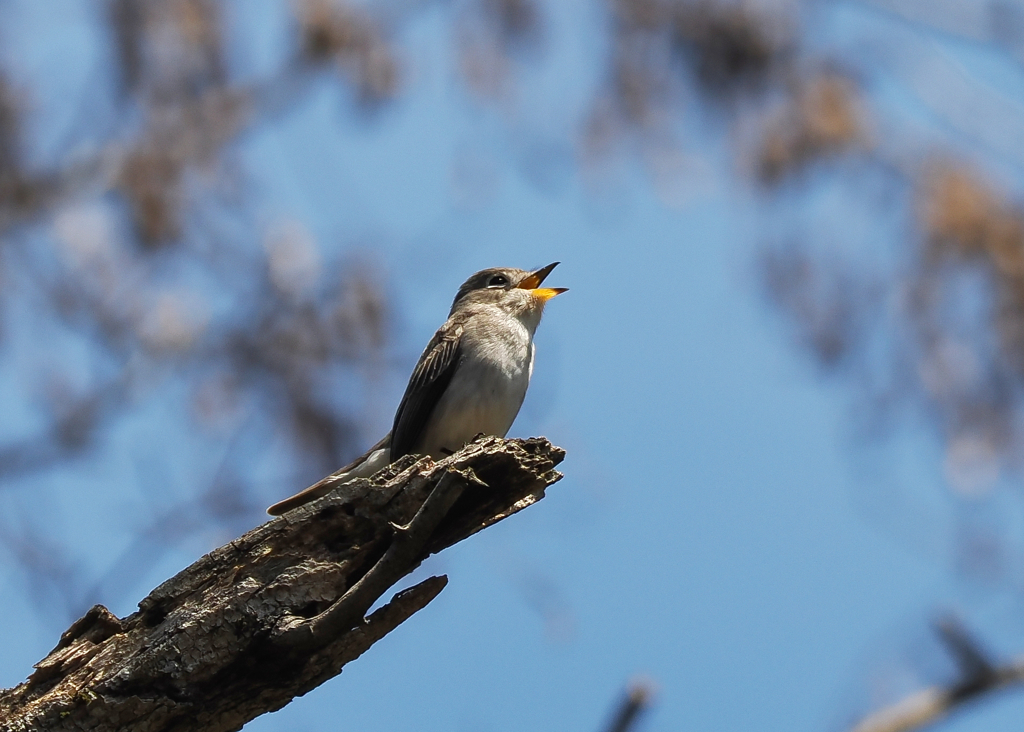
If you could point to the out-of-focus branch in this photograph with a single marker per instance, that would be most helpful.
(278, 611)
(979, 677)
(637, 700)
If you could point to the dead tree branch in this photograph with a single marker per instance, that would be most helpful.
(280, 610)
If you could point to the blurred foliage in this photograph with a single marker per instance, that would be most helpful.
(132, 267)
(931, 325)
(350, 38)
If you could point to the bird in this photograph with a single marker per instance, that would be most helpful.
(471, 378)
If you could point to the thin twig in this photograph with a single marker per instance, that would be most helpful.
(637, 700)
(979, 677)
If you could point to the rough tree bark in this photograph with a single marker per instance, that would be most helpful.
(280, 610)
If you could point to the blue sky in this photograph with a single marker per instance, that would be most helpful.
(717, 530)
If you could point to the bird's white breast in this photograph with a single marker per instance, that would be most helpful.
(488, 386)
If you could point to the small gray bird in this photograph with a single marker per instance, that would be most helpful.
(471, 378)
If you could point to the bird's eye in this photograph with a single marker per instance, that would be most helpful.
(497, 281)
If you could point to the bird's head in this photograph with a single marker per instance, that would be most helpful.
(517, 291)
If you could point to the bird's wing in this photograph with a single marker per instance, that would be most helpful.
(428, 382)
(429, 379)
(323, 486)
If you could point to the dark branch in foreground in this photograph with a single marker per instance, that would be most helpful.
(979, 677)
(280, 610)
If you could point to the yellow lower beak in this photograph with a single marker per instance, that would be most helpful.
(546, 293)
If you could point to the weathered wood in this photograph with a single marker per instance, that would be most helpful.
(278, 611)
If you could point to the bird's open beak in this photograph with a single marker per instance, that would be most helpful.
(532, 283)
